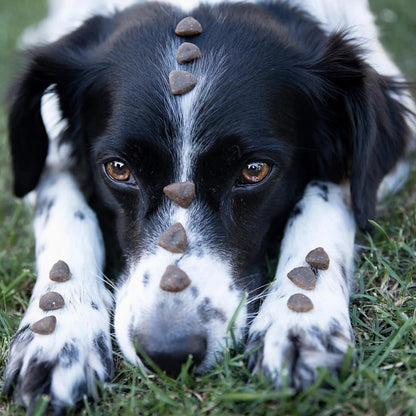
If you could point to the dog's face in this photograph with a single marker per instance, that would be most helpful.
(273, 108)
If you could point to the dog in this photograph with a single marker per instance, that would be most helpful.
(184, 144)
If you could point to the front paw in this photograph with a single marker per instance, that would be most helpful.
(290, 351)
(64, 361)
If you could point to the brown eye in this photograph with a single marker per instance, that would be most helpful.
(254, 172)
(118, 171)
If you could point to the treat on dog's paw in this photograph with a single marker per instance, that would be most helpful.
(299, 303)
(60, 272)
(174, 279)
(174, 239)
(181, 82)
(51, 301)
(45, 326)
(187, 52)
(318, 258)
(303, 277)
(188, 27)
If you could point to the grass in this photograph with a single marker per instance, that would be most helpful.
(383, 381)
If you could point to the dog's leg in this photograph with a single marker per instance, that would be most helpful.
(291, 345)
(66, 362)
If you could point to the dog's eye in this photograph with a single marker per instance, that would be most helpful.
(254, 172)
(118, 171)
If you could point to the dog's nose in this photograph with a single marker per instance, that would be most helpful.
(169, 351)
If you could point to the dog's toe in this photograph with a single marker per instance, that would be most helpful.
(64, 367)
(293, 356)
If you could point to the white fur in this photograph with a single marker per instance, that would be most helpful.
(330, 225)
(59, 235)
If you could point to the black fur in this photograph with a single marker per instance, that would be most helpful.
(287, 94)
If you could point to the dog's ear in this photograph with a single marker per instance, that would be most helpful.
(62, 64)
(365, 120)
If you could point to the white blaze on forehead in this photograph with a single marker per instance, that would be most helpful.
(184, 108)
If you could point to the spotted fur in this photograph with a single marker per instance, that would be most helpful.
(276, 83)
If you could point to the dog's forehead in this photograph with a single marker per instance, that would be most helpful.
(240, 57)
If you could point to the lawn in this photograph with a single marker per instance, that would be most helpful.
(383, 381)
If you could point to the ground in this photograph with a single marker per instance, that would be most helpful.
(382, 382)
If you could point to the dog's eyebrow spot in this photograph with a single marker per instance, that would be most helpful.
(94, 306)
(68, 355)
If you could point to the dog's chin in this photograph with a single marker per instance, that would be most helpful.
(163, 327)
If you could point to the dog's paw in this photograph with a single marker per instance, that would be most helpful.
(289, 347)
(63, 361)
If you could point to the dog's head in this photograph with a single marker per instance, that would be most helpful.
(277, 103)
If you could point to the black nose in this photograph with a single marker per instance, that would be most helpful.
(170, 351)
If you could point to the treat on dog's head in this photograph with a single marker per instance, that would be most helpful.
(60, 272)
(187, 52)
(188, 27)
(174, 279)
(181, 82)
(318, 258)
(50, 301)
(174, 239)
(44, 326)
(181, 193)
(299, 303)
(303, 277)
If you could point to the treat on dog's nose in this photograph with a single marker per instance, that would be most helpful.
(188, 27)
(60, 272)
(181, 82)
(181, 193)
(45, 326)
(299, 303)
(303, 277)
(174, 239)
(50, 301)
(187, 52)
(174, 279)
(318, 258)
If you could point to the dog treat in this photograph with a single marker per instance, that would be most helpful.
(299, 303)
(181, 193)
(60, 272)
(188, 27)
(181, 82)
(174, 279)
(50, 301)
(318, 258)
(45, 326)
(187, 52)
(174, 239)
(303, 277)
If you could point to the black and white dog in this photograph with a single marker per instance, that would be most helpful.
(298, 121)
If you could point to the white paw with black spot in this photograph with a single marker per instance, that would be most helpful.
(65, 364)
(289, 347)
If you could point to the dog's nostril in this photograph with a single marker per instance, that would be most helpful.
(174, 279)
(169, 352)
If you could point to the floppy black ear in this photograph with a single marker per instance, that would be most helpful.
(64, 64)
(365, 121)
